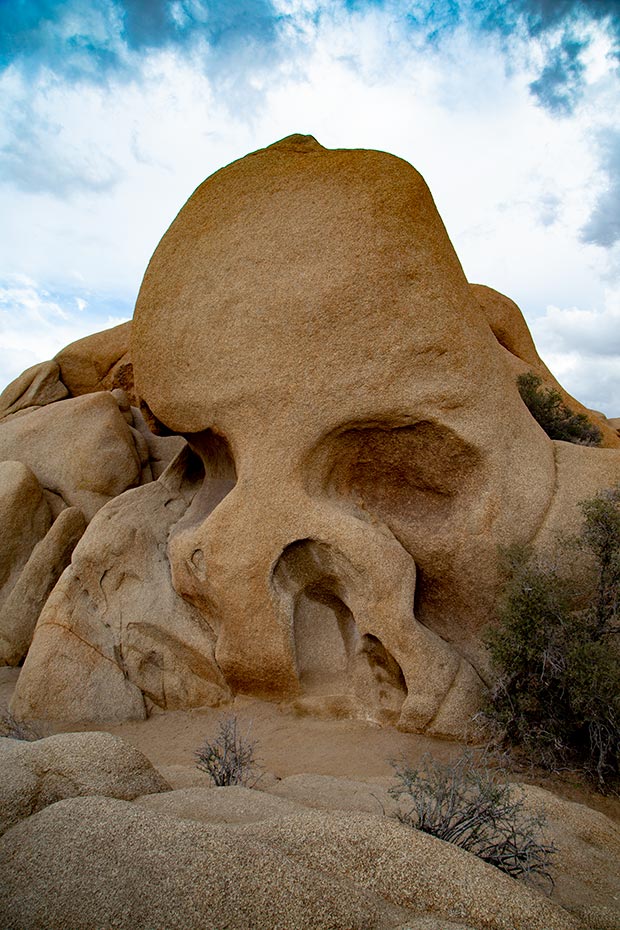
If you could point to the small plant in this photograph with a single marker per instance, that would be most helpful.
(464, 804)
(13, 728)
(229, 758)
(550, 411)
(556, 653)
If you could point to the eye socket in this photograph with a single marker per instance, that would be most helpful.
(216, 455)
(215, 475)
(401, 470)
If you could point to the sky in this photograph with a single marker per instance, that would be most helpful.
(113, 111)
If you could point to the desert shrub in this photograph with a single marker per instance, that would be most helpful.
(550, 411)
(229, 758)
(17, 729)
(556, 653)
(468, 805)
(600, 537)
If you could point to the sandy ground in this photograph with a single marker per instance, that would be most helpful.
(290, 744)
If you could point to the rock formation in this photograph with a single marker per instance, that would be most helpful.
(37, 774)
(318, 870)
(115, 628)
(49, 558)
(65, 451)
(98, 363)
(357, 450)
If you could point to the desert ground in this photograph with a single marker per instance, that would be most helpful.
(343, 765)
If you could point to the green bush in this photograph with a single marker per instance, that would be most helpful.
(550, 411)
(469, 806)
(556, 654)
(600, 536)
(229, 758)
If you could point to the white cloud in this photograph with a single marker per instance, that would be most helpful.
(594, 332)
(110, 165)
(582, 348)
(35, 325)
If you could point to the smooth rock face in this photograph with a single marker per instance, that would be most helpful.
(193, 876)
(33, 775)
(114, 631)
(35, 387)
(587, 843)
(49, 558)
(410, 869)
(581, 472)
(80, 449)
(117, 865)
(329, 793)
(232, 804)
(99, 362)
(306, 323)
(25, 519)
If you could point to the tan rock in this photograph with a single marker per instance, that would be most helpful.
(33, 775)
(434, 923)
(232, 804)
(326, 792)
(25, 518)
(585, 864)
(197, 877)
(510, 330)
(114, 630)
(161, 449)
(72, 679)
(80, 449)
(410, 869)
(587, 842)
(8, 678)
(184, 776)
(366, 418)
(49, 558)
(314, 870)
(99, 362)
(305, 324)
(614, 423)
(156, 452)
(35, 387)
(581, 472)
(507, 324)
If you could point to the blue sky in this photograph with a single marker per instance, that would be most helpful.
(113, 111)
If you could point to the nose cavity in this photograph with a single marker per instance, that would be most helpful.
(340, 669)
(381, 662)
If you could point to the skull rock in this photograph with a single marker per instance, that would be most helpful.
(306, 325)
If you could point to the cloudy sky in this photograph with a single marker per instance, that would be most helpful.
(113, 111)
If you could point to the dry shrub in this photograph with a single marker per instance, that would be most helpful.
(229, 758)
(472, 807)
